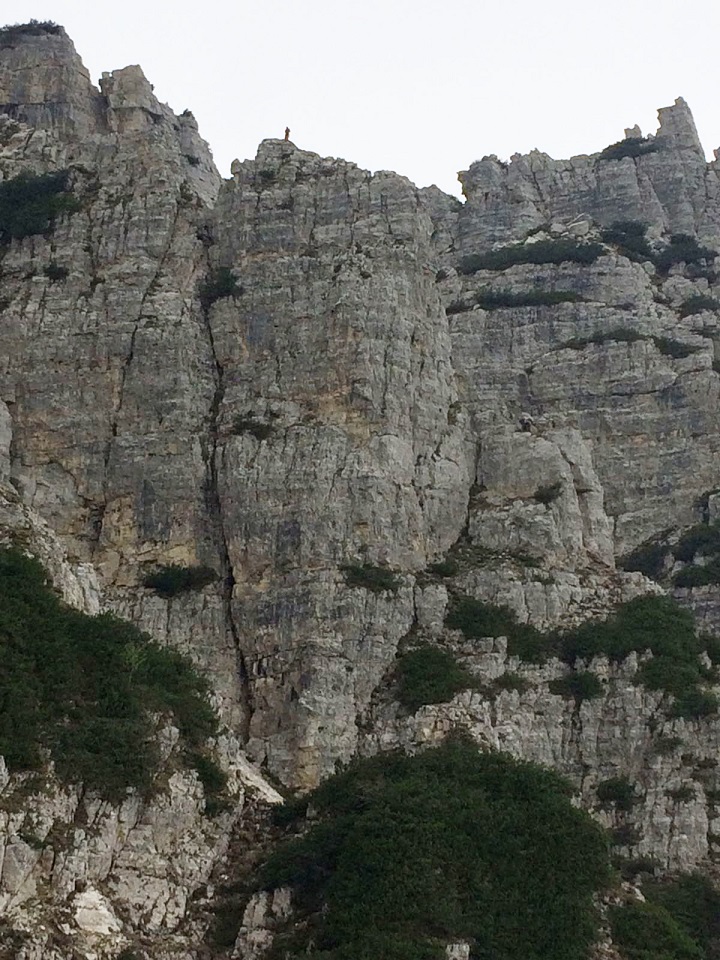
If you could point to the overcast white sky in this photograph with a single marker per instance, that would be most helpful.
(422, 87)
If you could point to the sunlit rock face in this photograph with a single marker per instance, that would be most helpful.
(290, 378)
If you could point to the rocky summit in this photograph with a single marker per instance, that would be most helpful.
(370, 475)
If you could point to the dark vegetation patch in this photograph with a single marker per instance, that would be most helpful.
(682, 794)
(617, 792)
(496, 299)
(617, 334)
(172, 580)
(510, 681)
(30, 204)
(649, 557)
(629, 237)
(629, 147)
(85, 688)
(625, 835)
(250, 423)
(371, 577)
(54, 272)
(665, 744)
(406, 854)
(699, 549)
(542, 251)
(478, 620)
(698, 304)
(459, 306)
(444, 568)
(13, 33)
(683, 248)
(680, 920)
(430, 675)
(675, 348)
(578, 686)
(703, 538)
(666, 345)
(548, 493)
(213, 779)
(657, 625)
(221, 283)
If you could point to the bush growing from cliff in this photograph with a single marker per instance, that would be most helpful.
(675, 348)
(648, 557)
(548, 493)
(683, 248)
(679, 921)
(221, 283)
(617, 335)
(617, 792)
(30, 204)
(430, 675)
(252, 424)
(583, 685)
(368, 576)
(657, 625)
(85, 688)
(702, 540)
(629, 147)
(406, 854)
(694, 704)
(477, 620)
(495, 299)
(700, 575)
(698, 304)
(175, 579)
(645, 931)
(11, 34)
(629, 237)
(55, 273)
(544, 251)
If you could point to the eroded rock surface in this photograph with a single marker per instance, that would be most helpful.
(290, 378)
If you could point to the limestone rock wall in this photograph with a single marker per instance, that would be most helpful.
(285, 375)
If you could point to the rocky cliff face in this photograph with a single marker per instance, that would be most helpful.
(298, 378)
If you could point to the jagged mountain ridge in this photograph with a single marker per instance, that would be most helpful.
(336, 411)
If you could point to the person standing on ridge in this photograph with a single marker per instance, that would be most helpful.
(287, 134)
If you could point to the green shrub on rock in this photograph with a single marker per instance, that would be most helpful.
(583, 685)
(543, 251)
(629, 237)
(371, 577)
(14, 32)
(497, 299)
(698, 304)
(175, 579)
(30, 204)
(430, 675)
(85, 689)
(407, 854)
(648, 557)
(478, 620)
(618, 792)
(646, 931)
(629, 147)
(683, 248)
(220, 284)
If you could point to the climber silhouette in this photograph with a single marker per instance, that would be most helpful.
(287, 133)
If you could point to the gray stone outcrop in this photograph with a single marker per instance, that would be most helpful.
(290, 378)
